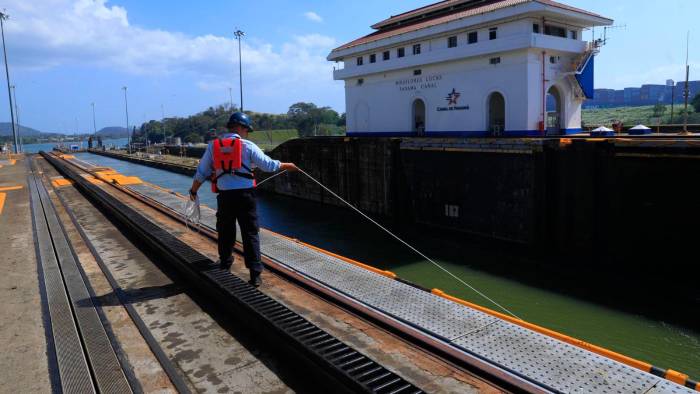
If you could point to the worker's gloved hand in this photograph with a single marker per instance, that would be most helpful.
(290, 167)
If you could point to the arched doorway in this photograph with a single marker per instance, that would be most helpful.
(553, 111)
(418, 117)
(497, 114)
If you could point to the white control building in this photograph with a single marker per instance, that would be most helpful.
(471, 68)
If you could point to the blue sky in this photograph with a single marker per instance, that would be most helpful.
(65, 54)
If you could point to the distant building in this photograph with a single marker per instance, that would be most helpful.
(470, 68)
(652, 94)
(632, 95)
(645, 95)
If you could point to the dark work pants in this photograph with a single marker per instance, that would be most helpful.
(238, 205)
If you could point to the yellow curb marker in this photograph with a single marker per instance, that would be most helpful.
(3, 196)
(61, 182)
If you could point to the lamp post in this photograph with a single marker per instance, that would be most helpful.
(686, 91)
(673, 97)
(94, 123)
(19, 125)
(239, 35)
(126, 110)
(3, 17)
(230, 98)
(162, 121)
(145, 132)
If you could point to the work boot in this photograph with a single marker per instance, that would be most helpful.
(255, 279)
(225, 265)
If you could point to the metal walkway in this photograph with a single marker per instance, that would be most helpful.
(292, 333)
(85, 358)
(548, 363)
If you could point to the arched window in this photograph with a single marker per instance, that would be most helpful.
(497, 114)
(418, 117)
(553, 111)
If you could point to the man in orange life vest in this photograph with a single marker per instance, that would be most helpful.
(228, 162)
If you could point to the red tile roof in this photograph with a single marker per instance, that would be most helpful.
(422, 10)
(459, 14)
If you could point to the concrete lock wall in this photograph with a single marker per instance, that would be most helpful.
(361, 171)
(589, 197)
(398, 182)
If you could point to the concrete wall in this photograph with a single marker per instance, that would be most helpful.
(431, 182)
(580, 198)
(383, 103)
(554, 77)
(361, 171)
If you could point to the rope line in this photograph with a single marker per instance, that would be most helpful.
(270, 177)
(407, 244)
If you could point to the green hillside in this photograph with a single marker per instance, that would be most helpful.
(262, 137)
(112, 132)
(635, 115)
(6, 130)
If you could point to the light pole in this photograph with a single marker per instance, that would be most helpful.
(126, 109)
(19, 125)
(239, 35)
(162, 121)
(94, 122)
(230, 98)
(3, 17)
(145, 132)
(673, 97)
(686, 91)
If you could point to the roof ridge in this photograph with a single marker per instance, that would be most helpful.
(434, 7)
(558, 4)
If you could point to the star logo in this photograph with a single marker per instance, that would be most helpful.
(452, 97)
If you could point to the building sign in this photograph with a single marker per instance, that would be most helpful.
(452, 99)
(418, 83)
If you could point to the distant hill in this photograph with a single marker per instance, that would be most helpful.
(6, 130)
(113, 131)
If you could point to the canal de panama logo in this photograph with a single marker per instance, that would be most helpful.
(453, 97)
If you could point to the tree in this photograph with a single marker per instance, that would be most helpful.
(193, 138)
(696, 102)
(307, 117)
(659, 110)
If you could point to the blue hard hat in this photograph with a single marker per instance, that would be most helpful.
(241, 119)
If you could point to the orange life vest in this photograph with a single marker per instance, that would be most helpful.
(227, 158)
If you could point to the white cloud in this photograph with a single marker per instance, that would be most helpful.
(93, 33)
(313, 17)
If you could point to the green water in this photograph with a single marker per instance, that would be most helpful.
(505, 276)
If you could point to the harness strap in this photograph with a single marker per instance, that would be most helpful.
(236, 173)
(230, 170)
